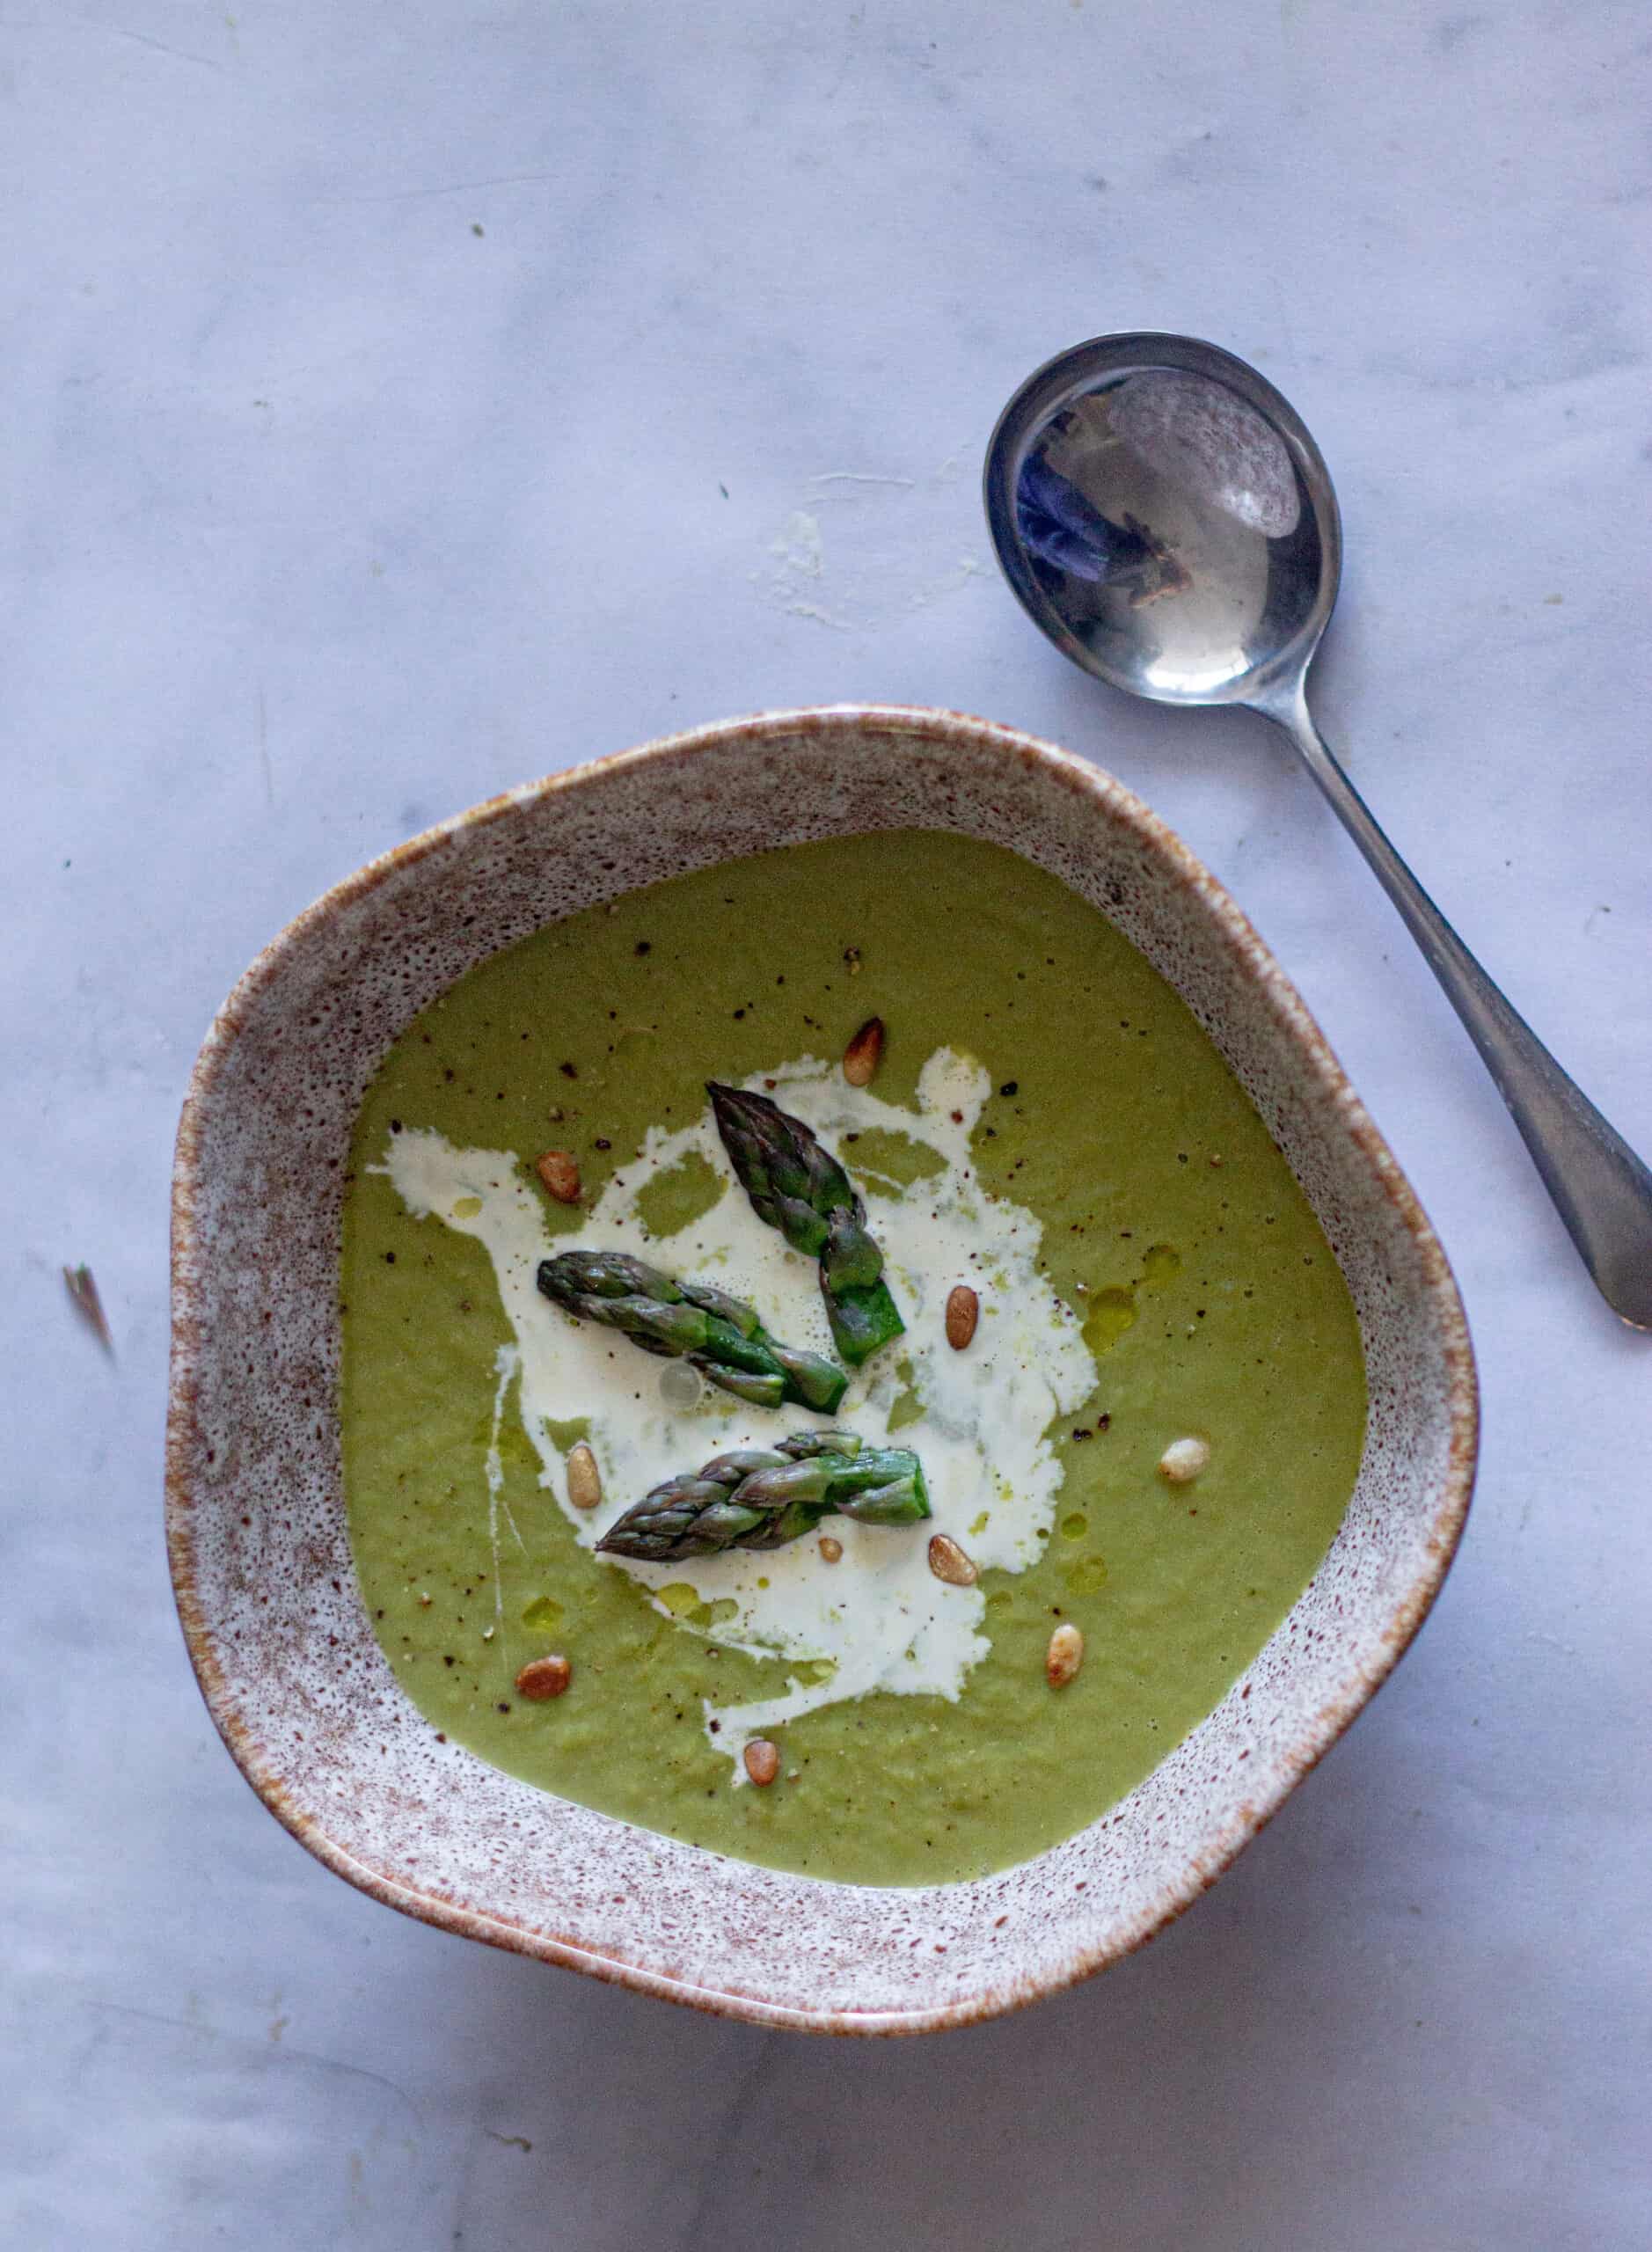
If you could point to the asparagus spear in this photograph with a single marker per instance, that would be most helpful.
(760, 1498)
(719, 1335)
(800, 1188)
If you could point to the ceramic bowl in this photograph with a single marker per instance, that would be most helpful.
(280, 1639)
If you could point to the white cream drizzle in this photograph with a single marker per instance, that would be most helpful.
(508, 1365)
(879, 1619)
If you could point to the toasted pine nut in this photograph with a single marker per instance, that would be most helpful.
(963, 1310)
(585, 1479)
(831, 1550)
(544, 1678)
(948, 1562)
(560, 1174)
(1182, 1460)
(864, 1053)
(763, 1761)
(1064, 1656)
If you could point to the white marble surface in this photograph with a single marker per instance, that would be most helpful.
(404, 399)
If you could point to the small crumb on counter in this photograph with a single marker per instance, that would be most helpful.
(1182, 1460)
(83, 1290)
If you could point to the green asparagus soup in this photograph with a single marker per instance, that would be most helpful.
(1126, 1382)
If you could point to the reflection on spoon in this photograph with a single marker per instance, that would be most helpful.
(1060, 527)
(1202, 436)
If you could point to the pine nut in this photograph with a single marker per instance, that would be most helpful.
(1064, 1656)
(543, 1677)
(963, 1310)
(560, 1174)
(1183, 1461)
(948, 1562)
(864, 1053)
(585, 1479)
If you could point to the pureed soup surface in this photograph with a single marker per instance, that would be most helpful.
(1049, 1124)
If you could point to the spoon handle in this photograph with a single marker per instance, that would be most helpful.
(1603, 1191)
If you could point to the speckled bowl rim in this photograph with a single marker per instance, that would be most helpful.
(1293, 1020)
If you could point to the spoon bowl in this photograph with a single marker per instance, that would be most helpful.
(1165, 517)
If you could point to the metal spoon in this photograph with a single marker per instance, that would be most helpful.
(1165, 517)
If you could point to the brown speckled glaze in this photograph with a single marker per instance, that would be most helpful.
(260, 1558)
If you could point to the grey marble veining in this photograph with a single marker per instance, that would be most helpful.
(403, 400)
